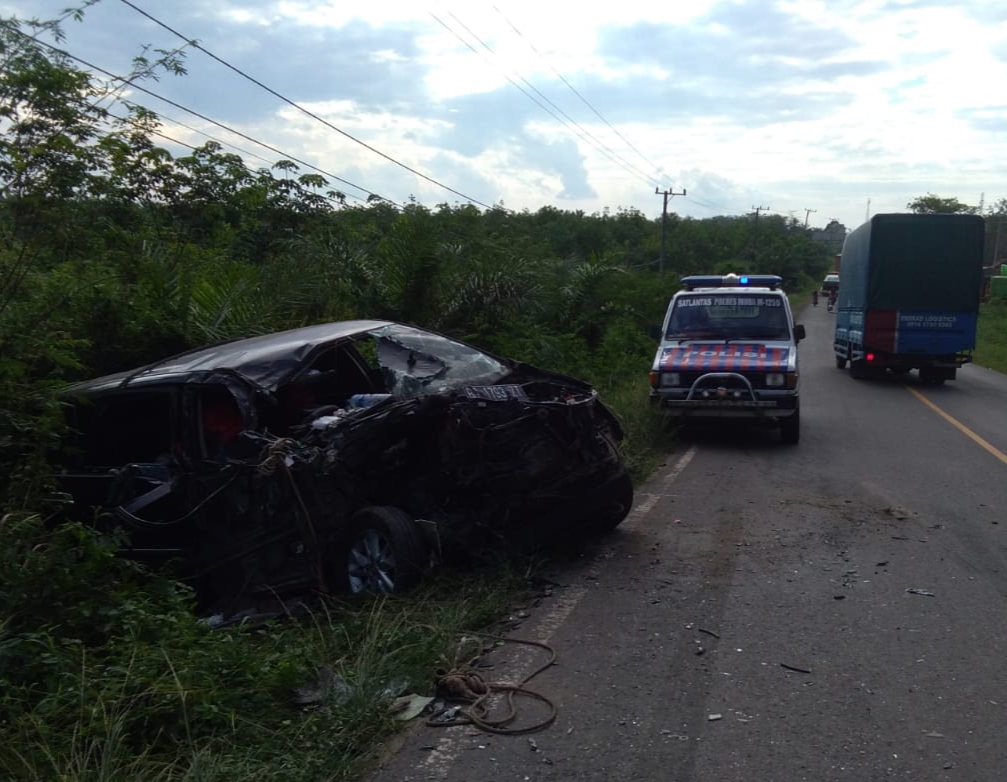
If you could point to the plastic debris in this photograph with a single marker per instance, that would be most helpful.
(714, 717)
(410, 706)
(918, 591)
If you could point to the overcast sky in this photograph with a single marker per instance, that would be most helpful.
(816, 110)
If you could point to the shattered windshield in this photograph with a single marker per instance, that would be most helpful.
(418, 362)
(728, 316)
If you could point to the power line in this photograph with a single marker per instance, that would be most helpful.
(664, 220)
(52, 25)
(584, 100)
(566, 119)
(698, 202)
(192, 148)
(208, 119)
(181, 143)
(303, 110)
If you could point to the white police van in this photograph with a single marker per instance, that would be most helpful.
(729, 350)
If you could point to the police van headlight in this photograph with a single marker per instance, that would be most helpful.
(781, 380)
(669, 379)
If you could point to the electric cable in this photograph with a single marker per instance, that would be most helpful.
(566, 119)
(303, 110)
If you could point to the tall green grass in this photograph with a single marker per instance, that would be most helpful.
(158, 695)
(991, 339)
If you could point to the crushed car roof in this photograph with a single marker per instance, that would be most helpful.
(264, 360)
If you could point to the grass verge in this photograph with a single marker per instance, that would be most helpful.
(134, 687)
(991, 339)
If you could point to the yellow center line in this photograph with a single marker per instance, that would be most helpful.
(959, 426)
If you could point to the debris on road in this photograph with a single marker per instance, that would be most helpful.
(409, 707)
(918, 591)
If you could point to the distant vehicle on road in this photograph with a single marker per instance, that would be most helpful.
(830, 283)
(909, 297)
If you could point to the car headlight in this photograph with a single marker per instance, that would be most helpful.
(669, 379)
(775, 380)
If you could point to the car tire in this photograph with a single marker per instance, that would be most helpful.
(840, 362)
(385, 552)
(790, 428)
(616, 507)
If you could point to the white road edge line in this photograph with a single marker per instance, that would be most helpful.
(649, 499)
(439, 760)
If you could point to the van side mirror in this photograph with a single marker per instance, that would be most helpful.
(799, 333)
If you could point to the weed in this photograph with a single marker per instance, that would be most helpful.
(991, 341)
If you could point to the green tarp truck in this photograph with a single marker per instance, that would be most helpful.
(909, 295)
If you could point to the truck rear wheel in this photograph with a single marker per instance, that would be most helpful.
(840, 362)
(932, 376)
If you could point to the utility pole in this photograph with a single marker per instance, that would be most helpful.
(806, 213)
(753, 247)
(664, 220)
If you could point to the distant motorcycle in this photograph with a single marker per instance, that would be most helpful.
(832, 301)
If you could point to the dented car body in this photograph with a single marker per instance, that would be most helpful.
(347, 455)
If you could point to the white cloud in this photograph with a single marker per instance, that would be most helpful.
(793, 104)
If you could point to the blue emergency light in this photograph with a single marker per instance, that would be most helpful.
(771, 281)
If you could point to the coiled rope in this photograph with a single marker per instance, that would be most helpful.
(465, 684)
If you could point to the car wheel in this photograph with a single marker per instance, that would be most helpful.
(616, 506)
(790, 428)
(840, 362)
(386, 552)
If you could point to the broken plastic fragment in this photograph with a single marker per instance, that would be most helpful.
(408, 707)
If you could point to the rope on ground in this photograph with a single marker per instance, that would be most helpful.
(464, 684)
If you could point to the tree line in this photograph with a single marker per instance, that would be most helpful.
(114, 252)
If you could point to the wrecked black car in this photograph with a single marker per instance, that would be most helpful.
(341, 456)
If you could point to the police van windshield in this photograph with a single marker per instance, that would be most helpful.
(728, 316)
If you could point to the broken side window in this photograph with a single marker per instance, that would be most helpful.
(118, 429)
(221, 421)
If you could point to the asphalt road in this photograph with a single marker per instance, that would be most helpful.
(830, 611)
